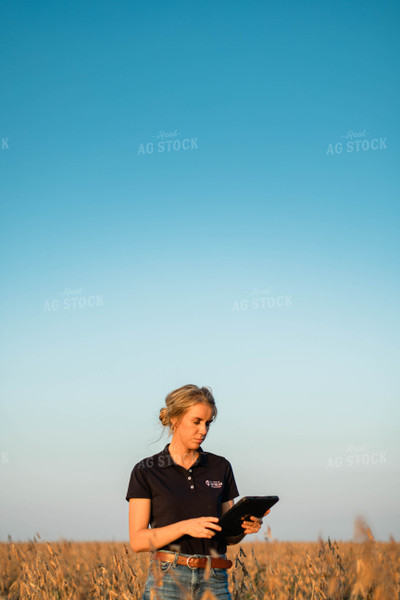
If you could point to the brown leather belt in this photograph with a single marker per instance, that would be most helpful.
(194, 562)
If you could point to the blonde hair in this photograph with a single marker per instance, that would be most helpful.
(180, 400)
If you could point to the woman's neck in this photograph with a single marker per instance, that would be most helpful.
(185, 457)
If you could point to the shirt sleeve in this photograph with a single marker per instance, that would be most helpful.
(230, 487)
(138, 484)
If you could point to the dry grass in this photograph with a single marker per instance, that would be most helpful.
(323, 570)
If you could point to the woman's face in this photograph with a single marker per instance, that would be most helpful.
(193, 426)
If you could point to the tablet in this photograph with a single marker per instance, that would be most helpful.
(255, 506)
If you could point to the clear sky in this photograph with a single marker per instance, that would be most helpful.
(200, 192)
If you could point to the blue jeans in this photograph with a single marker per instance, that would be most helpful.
(170, 581)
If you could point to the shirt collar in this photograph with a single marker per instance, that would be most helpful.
(202, 459)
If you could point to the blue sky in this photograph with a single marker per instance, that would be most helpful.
(258, 256)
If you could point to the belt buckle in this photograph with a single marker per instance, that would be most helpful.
(188, 559)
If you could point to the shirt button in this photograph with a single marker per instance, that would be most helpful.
(190, 470)
(189, 477)
(192, 487)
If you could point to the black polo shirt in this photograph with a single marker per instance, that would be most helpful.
(177, 493)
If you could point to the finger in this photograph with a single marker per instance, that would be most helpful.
(248, 519)
(249, 527)
(248, 530)
(214, 526)
(268, 511)
(209, 531)
(255, 520)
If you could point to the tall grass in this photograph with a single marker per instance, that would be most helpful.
(323, 570)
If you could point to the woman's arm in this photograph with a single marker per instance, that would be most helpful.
(143, 539)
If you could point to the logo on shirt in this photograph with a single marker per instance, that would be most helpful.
(213, 484)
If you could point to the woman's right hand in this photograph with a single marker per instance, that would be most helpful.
(200, 527)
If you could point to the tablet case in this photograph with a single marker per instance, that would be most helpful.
(256, 506)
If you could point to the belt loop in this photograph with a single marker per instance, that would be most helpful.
(209, 562)
(175, 560)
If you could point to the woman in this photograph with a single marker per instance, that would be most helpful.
(182, 492)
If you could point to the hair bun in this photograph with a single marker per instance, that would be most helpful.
(163, 416)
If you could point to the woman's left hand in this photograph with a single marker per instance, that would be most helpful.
(254, 525)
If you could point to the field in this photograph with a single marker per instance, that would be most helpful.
(323, 570)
